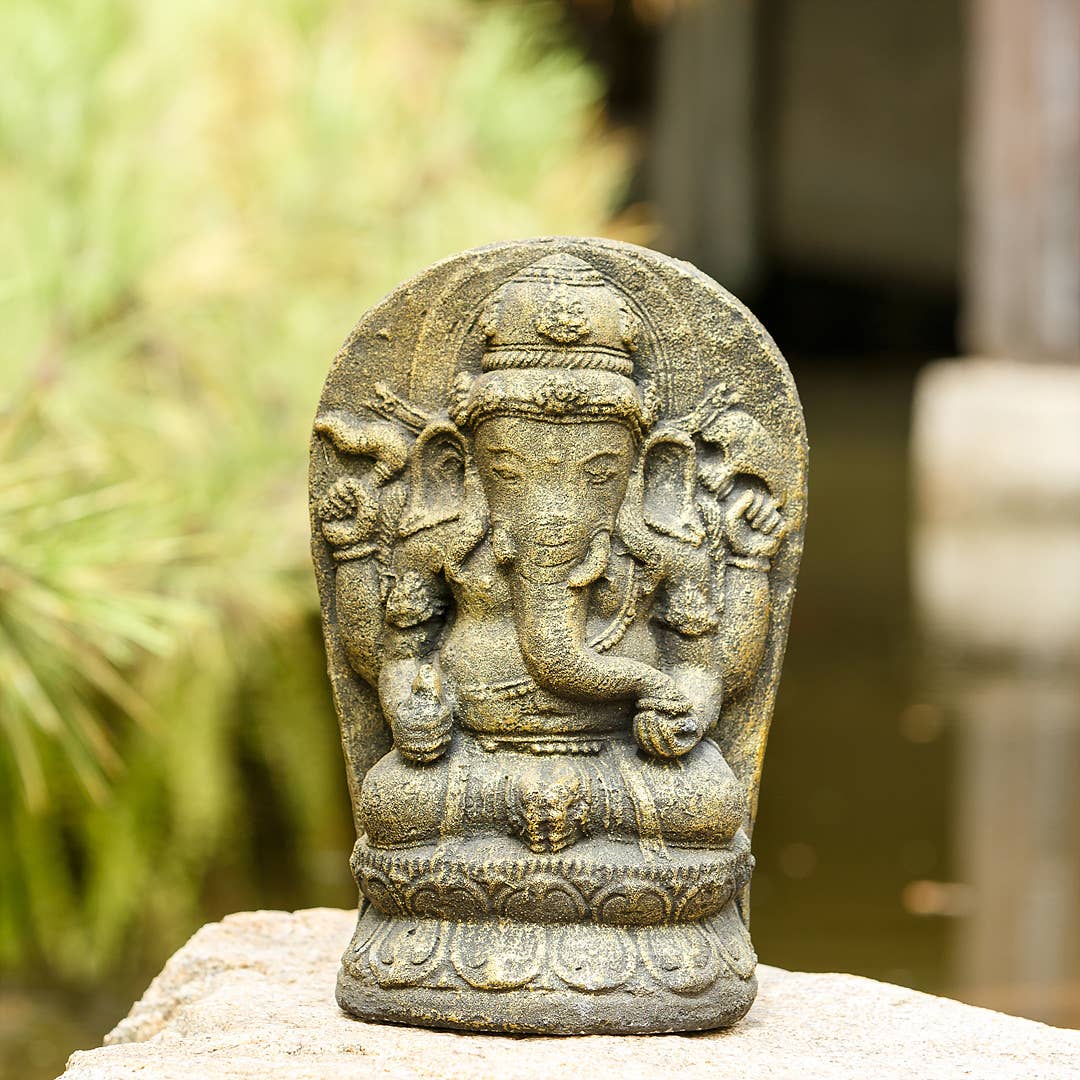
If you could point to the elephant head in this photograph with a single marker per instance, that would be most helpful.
(564, 463)
(553, 493)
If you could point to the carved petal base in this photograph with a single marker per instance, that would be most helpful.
(555, 978)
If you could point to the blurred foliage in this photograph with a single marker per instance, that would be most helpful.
(199, 199)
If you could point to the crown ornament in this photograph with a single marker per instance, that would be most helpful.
(559, 312)
(563, 318)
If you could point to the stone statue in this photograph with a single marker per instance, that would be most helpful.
(557, 492)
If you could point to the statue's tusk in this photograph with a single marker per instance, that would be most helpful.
(594, 563)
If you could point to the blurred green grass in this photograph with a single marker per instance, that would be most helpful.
(199, 199)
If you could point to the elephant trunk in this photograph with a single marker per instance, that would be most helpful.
(550, 619)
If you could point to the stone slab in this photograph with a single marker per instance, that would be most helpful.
(252, 997)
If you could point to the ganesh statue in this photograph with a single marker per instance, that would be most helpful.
(557, 504)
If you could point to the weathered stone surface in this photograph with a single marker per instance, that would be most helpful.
(558, 489)
(252, 996)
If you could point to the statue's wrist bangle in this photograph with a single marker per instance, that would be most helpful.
(354, 551)
(749, 562)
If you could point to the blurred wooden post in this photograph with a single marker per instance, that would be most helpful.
(704, 149)
(996, 551)
(1023, 182)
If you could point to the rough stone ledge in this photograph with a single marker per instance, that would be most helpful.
(252, 997)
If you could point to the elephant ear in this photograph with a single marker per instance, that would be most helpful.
(438, 467)
(669, 468)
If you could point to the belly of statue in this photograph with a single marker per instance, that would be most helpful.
(495, 695)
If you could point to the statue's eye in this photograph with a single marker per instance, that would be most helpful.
(507, 473)
(599, 474)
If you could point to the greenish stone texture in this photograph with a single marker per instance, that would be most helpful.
(558, 490)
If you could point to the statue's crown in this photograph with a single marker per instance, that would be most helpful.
(559, 312)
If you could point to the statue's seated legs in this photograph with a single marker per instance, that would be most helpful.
(403, 804)
(552, 800)
(692, 801)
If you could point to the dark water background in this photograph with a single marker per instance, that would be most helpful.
(859, 839)
(851, 810)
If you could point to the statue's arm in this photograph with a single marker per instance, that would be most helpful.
(686, 633)
(746, 623)
(712, 655)
(753, 528)
(410, 686)
(689, 663)
(717, 666)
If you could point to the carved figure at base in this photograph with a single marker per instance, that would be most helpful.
(558, 492)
